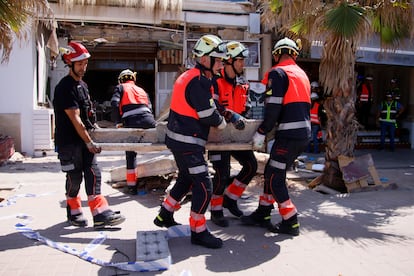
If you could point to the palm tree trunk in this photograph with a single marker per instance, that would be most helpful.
(342, 128)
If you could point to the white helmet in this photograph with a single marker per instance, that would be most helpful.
(314, 96)
(286, 46)
(236, 50)
(210, 45)
(314, 84)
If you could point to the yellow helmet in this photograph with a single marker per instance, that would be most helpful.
(210, 45)
(126, 75)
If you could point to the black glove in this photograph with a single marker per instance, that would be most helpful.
(237, 120)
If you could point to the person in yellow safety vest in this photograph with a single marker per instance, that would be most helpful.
(396, 95)
(192, 113)
(365, 94)
(133, 110)
(315, 116)
(76, 149)
(288, 110)
(388, 113)
(230, 95)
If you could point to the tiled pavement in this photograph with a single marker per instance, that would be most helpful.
(366, 233)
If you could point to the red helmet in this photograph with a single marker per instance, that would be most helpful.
(75, 52)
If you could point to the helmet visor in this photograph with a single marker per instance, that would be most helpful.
(243, 54)
(219, 51)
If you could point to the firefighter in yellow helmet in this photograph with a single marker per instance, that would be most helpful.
(192, 113)
(134, 110)
(231, 96)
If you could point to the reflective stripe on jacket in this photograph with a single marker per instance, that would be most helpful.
(288, 109)
(365, 93)
(388, 112)
(189, 125)
(314, 114)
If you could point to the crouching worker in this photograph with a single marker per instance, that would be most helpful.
(134, 110)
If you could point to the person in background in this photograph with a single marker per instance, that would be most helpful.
(388, 113)
(395, 89)
(231, 96)
(365, 94)
(134, 110)
(396, 95)
(287, 108)
(192, 113)
(316, 113)
(74, 117)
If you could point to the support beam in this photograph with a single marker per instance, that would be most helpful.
(145, 140)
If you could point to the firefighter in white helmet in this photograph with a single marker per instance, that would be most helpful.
(287, 109)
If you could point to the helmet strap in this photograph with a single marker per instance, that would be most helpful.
(71, 66)
(234, 70)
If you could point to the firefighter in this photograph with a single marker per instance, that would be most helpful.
(231, 95)
(74, 116)
(365, 95)
(192, 113)
(287, 108)
(134, 110)
(315, 117)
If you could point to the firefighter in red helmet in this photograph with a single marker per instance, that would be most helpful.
(74, 117)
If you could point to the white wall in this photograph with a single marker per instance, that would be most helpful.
(18, 87)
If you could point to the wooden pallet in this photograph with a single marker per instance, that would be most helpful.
(359, 173)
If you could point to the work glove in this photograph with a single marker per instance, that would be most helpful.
(237, 120)
(222, 125)
(258, 141)
(93, 147)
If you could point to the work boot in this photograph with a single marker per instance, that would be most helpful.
(132, 190)
(218, 218)
(231, 205)
(261, 217)
(107, 218)
(77, 220)
(165, 218)
(289, 227)
(206, 239)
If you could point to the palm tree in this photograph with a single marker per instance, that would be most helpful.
(341, 26)
(16, 14)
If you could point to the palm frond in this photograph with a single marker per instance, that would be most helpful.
(345, 20)
(393, 22)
